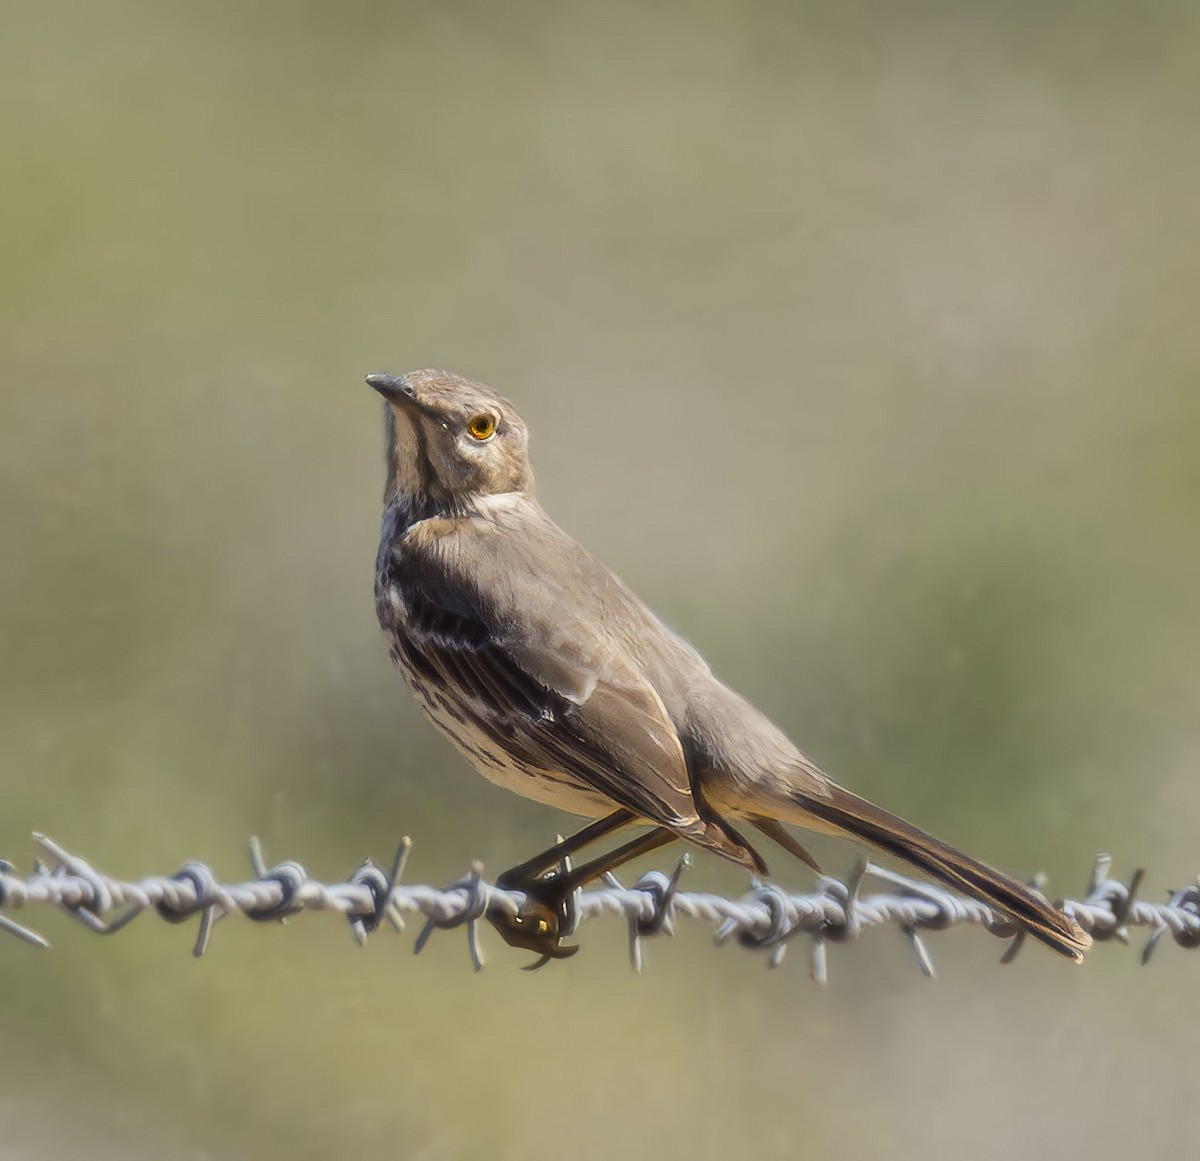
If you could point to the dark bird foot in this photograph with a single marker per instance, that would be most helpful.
(543, 919)
(549, 882)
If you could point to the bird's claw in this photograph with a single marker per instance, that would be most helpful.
(542, 920)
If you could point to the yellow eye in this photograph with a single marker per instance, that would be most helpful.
(482, 427)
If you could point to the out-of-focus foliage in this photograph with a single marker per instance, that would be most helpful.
(859, 338)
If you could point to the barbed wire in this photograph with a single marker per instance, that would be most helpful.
(766, 919)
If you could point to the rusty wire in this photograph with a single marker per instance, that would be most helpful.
(766, 919)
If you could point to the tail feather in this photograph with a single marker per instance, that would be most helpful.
(1026, 905)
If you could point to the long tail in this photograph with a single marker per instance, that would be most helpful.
(1027, 906)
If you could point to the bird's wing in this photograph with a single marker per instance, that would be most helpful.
(537, 670)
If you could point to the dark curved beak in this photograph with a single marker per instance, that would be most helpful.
(394, 388)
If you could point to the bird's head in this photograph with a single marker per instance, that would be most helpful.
(450, 439)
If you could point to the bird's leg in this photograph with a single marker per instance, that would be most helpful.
(518, 877)
(589, 872)
(545, 915)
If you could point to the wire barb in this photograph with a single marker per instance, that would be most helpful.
(766, 919)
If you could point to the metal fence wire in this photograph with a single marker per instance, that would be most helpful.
(766, 919)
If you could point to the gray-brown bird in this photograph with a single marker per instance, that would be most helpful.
(554, 680)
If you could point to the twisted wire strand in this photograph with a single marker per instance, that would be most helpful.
(767, 918)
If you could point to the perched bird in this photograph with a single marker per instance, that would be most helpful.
(554, 680)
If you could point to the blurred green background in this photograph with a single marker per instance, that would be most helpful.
(861, 339)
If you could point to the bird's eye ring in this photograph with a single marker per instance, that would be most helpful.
(482, 427)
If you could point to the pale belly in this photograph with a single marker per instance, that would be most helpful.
(549, 787)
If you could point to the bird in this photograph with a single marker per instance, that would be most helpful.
(554, 680)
